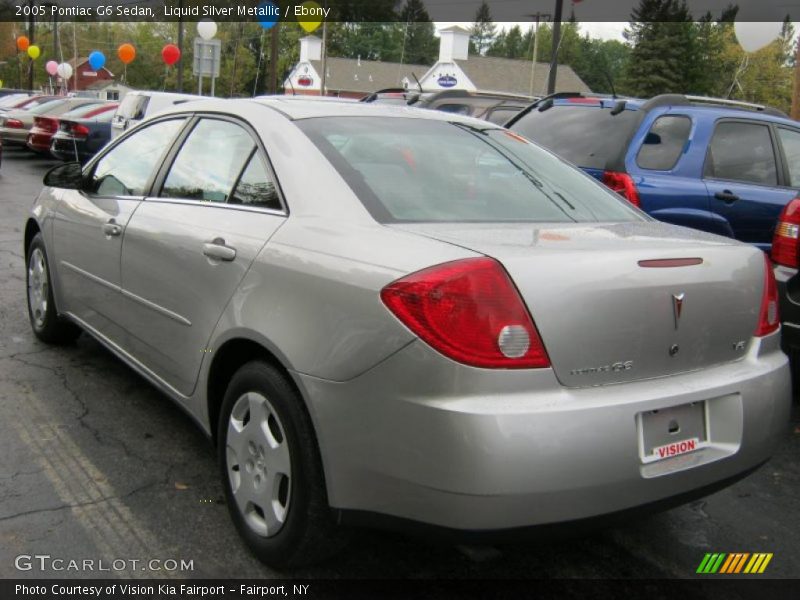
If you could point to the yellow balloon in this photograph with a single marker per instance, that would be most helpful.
(312, 17)
(34, 52)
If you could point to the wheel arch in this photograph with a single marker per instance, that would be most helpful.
(31, 229)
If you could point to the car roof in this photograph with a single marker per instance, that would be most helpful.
(301, 107)
(718, 110)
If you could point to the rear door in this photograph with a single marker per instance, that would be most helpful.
(744, 179)
(186, 249)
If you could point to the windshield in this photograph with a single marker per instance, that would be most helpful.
(588, 136)
(421, 170)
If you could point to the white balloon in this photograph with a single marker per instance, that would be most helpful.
(64, 70)
(206, 29)
(754, 35)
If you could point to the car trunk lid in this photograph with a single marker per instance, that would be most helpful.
(610, 302)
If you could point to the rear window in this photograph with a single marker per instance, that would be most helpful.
(81, 110)
(42, 108)
(588, 136)
(133, 106)
(420, 170)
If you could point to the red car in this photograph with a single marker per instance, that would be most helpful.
(45, 127)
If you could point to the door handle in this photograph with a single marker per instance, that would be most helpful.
(726, 196)
(111, 228)
(218, 250)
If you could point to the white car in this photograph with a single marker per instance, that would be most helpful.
(137, 106)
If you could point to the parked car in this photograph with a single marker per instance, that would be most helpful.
(27, 102)
(715, 165)
(137, 106)
(489, 106)
(443, 324)
(45, 127)
(16, 124)
(80, 139)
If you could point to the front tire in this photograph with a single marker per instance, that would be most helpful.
(272, 472)
(47, 325)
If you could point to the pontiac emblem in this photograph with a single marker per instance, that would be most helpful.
(677, 307)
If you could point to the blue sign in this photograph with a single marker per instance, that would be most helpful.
(447, 81)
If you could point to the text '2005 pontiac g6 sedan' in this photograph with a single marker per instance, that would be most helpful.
(397, 316)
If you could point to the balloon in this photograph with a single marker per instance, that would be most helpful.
(171, 54)
(34, 52)
(64, 70)
(207, 29)
(268, 14)
(126, 53)
(51, 67)
(754, 35)
(96, 60)
(22, 43)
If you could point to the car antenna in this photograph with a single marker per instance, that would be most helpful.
(289, 79)
(419, 85)
(611, 83)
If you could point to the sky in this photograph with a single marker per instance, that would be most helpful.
(603, 30)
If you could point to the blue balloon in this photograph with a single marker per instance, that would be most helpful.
(96, 60)
(268, 14)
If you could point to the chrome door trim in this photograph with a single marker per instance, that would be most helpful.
(156, 307)
(91, 277)
(206, 203)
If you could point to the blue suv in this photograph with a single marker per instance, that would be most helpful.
(721, 166)
(726, 167)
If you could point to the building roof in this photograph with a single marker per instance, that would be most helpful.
(106, 83)
(82, 60)
(354, 75)
(489, 73)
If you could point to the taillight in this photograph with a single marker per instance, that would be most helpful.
(622, 183)
(786, 240)
(14, 123)
(470, 311)
(79, 130)
(46, 124)
(768, 318)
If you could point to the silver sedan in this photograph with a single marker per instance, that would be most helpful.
(390, 315)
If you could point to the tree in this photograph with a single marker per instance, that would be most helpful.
(509, 44)
(483, 30)
(664, 45)
(420, 45)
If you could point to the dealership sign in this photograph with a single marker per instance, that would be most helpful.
(305, 81)
(447, 81)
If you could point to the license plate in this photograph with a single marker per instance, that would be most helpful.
(671, 432)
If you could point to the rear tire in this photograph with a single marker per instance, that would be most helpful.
(272, 472)
(46, 323)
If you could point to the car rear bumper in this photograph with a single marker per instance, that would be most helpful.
(789, 297)
(14, 136)
(40, 142)
(419, 437)
(64, 149)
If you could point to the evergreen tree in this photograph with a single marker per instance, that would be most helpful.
(664, 48)
(483, 30)
(420, 44)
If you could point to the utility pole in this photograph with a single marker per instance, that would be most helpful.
(180, 45)
(273, 59)
(30, 37)
(551, 79)
(539, 16)
(324, 74)
(795, 114)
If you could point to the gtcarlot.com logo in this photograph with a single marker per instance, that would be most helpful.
(45, 562)
(734, 563)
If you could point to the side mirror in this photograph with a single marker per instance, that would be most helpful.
(68, 176)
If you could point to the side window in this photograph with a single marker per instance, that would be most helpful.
(790, 140)
(209, 162)
(125, 170)
(742, 152)
(255, 186)
(664, 143)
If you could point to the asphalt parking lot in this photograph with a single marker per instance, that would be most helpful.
(96, 464)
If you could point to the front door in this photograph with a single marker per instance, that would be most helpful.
(90, 226)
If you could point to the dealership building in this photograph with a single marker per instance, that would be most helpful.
(456, 69)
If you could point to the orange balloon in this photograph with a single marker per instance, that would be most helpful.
(126, 53)
(22, 43)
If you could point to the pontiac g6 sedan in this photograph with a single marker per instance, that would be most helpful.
(392, 316)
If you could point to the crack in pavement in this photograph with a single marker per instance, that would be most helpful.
(81, 504)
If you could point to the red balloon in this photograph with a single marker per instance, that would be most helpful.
(171, 54)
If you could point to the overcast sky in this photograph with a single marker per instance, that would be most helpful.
(603, 30)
